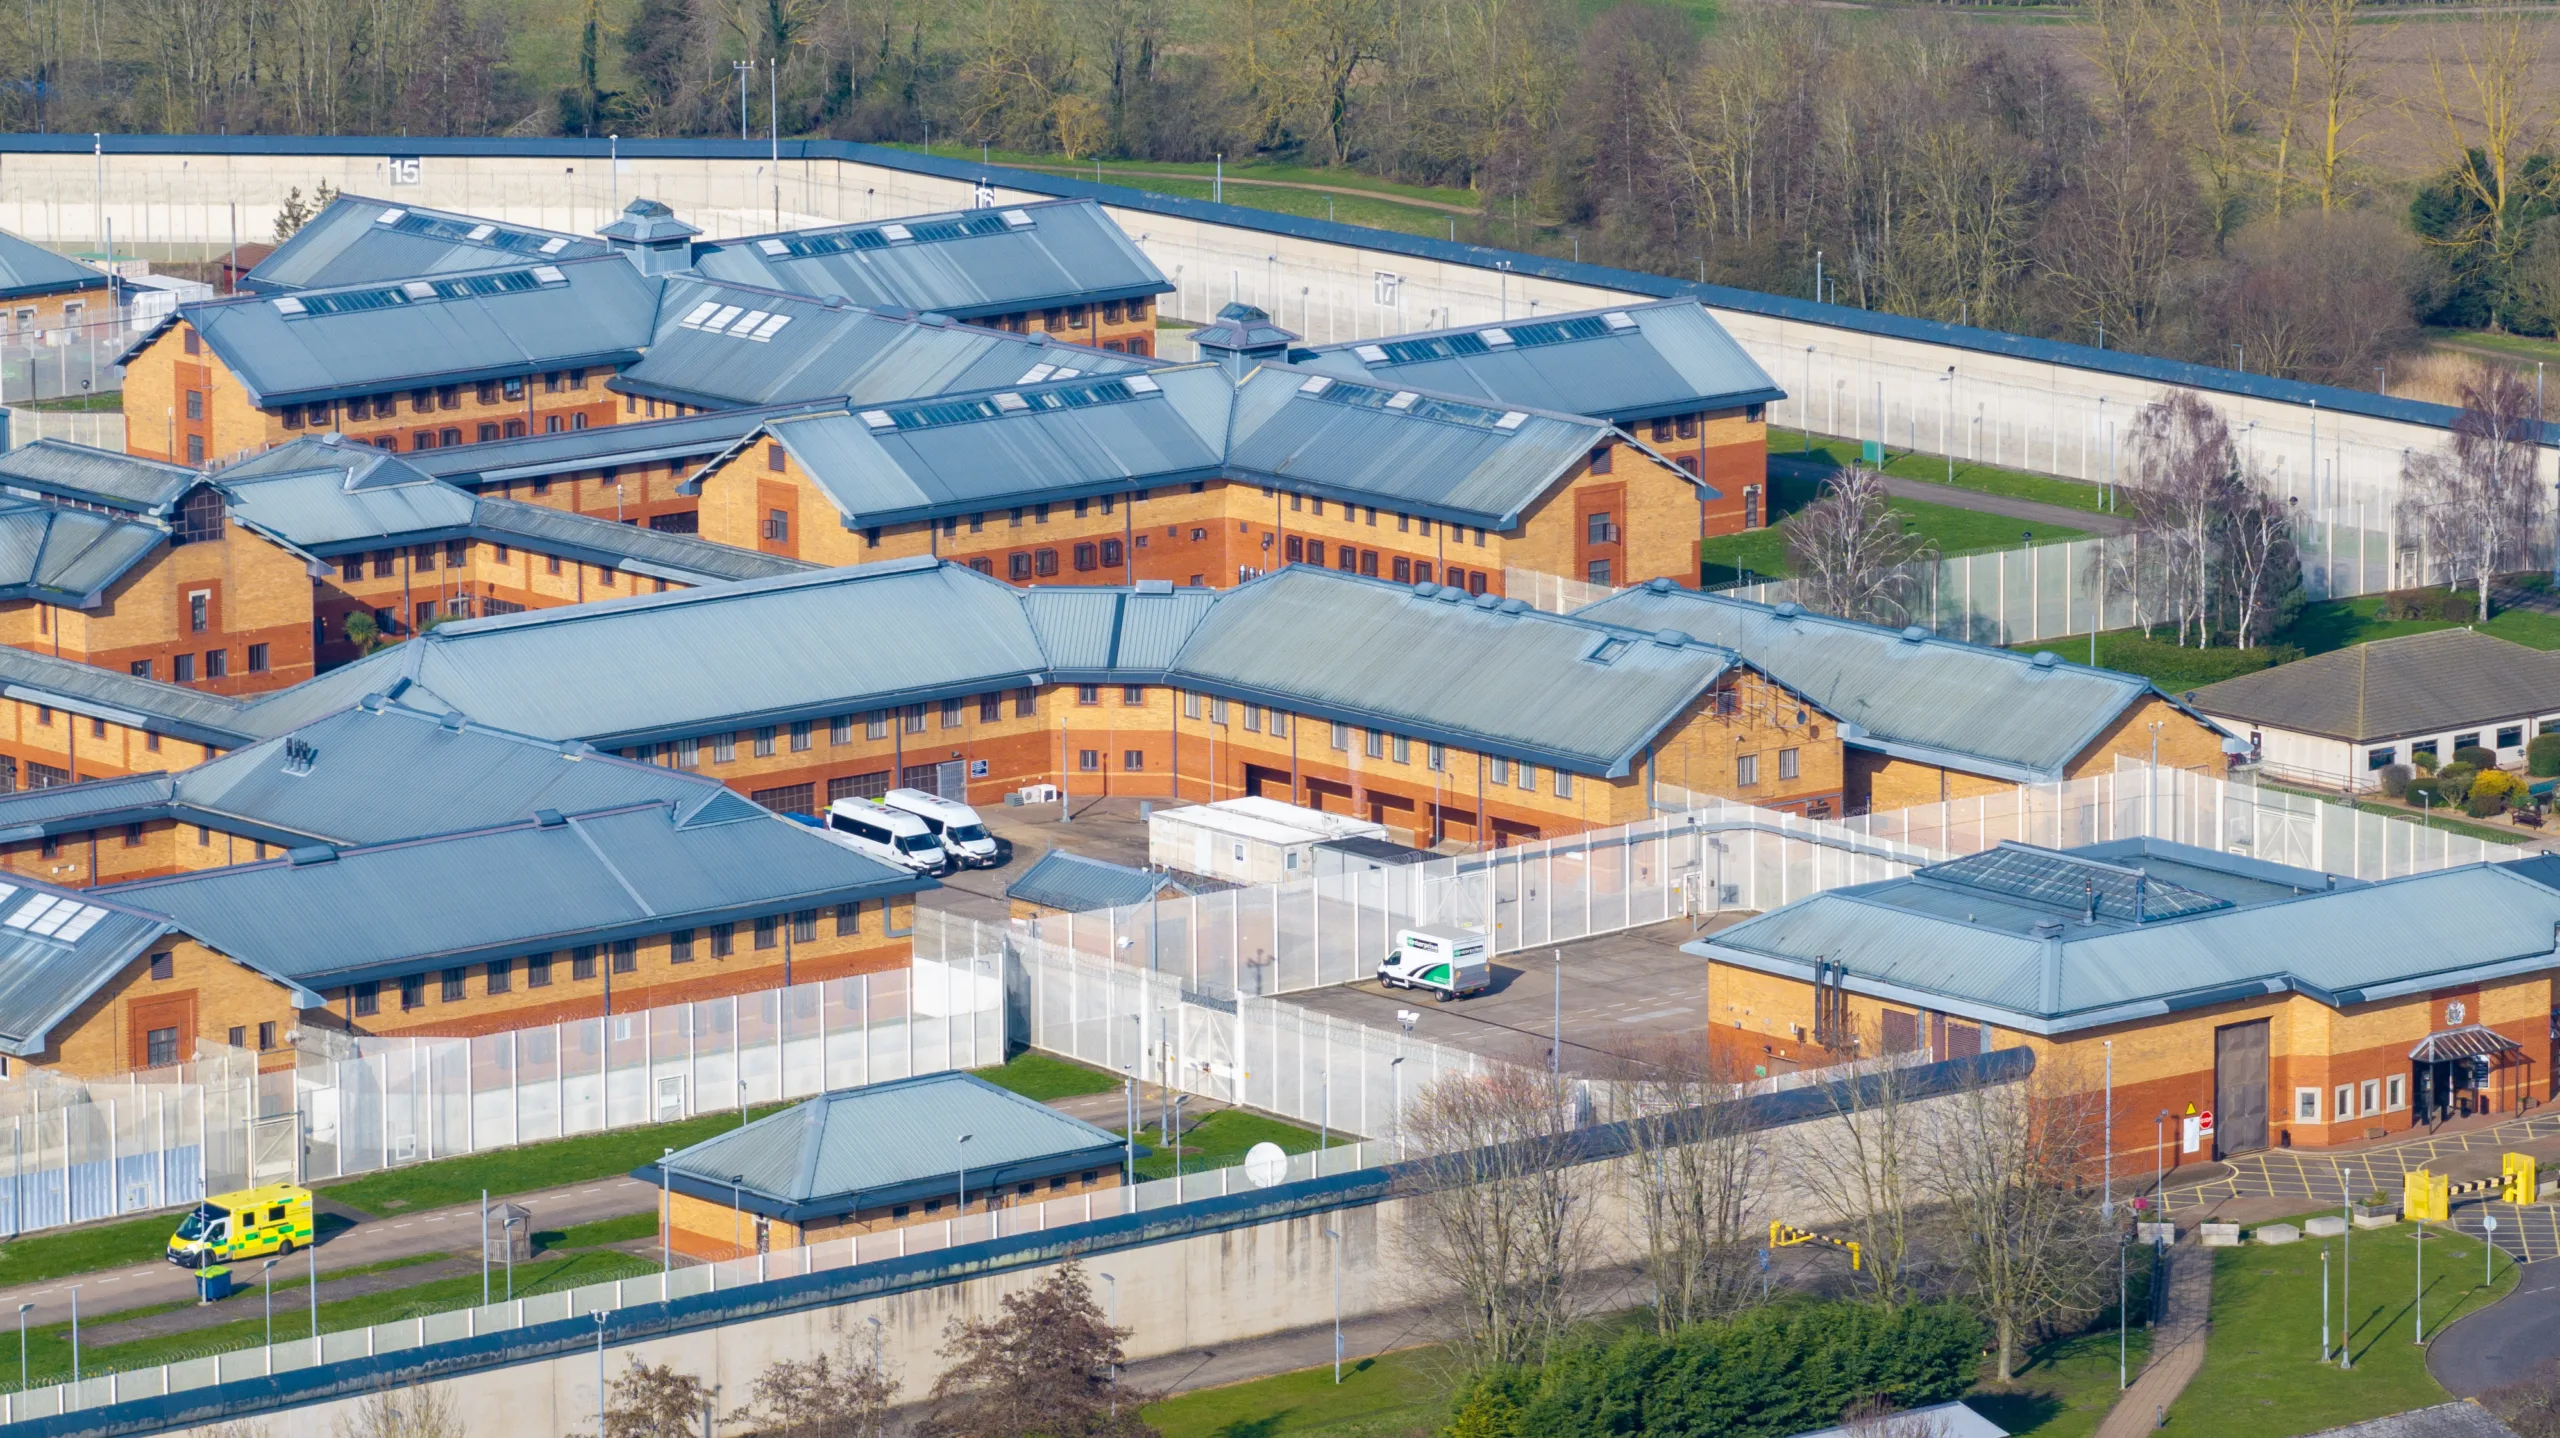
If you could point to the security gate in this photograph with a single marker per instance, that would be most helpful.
(275, 1150)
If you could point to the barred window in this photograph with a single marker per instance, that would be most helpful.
(626, 956)
(766, 930)
(848, 920)
(582, 962)
(840, 729)
(680, 946)
(724, 940)
(804, 926)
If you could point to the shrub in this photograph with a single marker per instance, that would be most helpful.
(2485, 805)
(1770, 1372)
(2454, 783)
(2395, 780)
(2542, 756)
(2496, 784)
(2425, 793)
(2445, 605)
(2476, 757)
(2423, 760)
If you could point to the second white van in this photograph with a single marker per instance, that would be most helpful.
(962, 832)
(893, 836)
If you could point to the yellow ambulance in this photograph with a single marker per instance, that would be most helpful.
(251, 1223)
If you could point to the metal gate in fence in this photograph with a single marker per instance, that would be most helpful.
(275, 1149)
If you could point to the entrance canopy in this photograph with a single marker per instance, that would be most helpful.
(2468, 1042)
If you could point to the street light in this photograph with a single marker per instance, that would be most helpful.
(666, 1216)
(601, 1419)
(267, 1290)
(1175, 1126)
(75, 1333)
(963, 1147)
(23, 1310)
(1113, 1320)
(2347, 1271)
(505, 1229)
(2107, 1184)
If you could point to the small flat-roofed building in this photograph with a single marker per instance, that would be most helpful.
(1063, 268)
(2295, 1008)
(883, 1156)
(1064, 883)
(1248, 840)
(2339, 719)
(43, 293)
(405, 364)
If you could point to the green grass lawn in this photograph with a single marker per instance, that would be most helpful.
(2337, 623)
(288, 1275)
(2520, 346)
(1221, 1140)
(1392, 1394)
(2262, 1377)
(523, 1170)
(627, 1228)
(1378, 203)
(99, 402)
(2014, 483)
(1763, 552)
(86, 1249)
(1046, 1077)
(2066, 1387)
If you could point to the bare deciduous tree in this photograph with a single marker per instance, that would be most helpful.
(1879, 1419)
(2476, 501)
(1861, 1168)
(2496, 123)
(2007, 1165)
(845, 1394)
(1694, 1176)
(1043, 1365)
(417, 1411)
(1848, 547)
(1502, 1209)
(2183, 468)
(655, 1401)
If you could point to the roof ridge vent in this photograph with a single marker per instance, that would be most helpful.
(1789, 610)
(454, 722)
(310, 854)
(1514, 606)
(1915, 634)
(2047, 659)
(2048, 928)
(548, 818)
(1659, 585)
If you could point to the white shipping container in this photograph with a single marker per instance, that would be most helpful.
(1247, 841)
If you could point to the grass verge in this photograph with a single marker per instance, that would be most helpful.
(524, 1170)
(1045, 1078)
(1221, 1140)
(629, 1228)
(2337, 623)
(1763, 552)
(1391, 1394)
(99, 402)
(2262, 1377)
(86, 1249)
(1793, 445)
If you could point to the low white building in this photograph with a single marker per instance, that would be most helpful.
(1247, 841)
(2339, 719)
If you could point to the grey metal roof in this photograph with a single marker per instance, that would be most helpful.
(324, 497)
(532, 886)
(95, 476)
(120, 698)
(1903, 692)
(2389, 688)
(1243, 327)
(965, 263)
(647, 222)
(27, 268)
(1628, 363)
(689, 437)
(2444, 1420)
(68, 808)
(2043, 966)
(356, 240)
(1060, 439)
(1453, 459)
(57, 948)
(803, 646)
(69, 556)
(1076, 884)
(711, 348)
(887, 1143)
(1490, 675)
(455, 329)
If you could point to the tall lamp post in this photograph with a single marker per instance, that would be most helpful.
(2347, 1272)
(962, 1145)
(1336, 1236)
(602, 1419)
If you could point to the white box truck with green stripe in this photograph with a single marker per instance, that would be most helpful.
(1452, 962)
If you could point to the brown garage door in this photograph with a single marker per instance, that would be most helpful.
(2239, 1088)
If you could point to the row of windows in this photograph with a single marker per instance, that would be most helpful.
(802, 735)
(1379, 744)
(425, 400)
(2351, 1100)
(1405, 523)
(500, 976)
(2509, 737)
(182, 668)
(1746, 768)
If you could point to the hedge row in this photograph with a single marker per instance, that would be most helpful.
(1770, 1373)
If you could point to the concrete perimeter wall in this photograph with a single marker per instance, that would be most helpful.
(2027, 403)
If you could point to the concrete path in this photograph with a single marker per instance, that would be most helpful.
(2030, 513)
(2177, 1347)
(446, 1230)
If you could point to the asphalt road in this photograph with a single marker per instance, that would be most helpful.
(453, 1230)
(2508, 1341)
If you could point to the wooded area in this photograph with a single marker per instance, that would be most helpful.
(2184, 177)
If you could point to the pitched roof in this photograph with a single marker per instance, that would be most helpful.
(1057, 440)
(887, 1143)
(529, 886)
(106, 477)
(120, 698)
(57, 948)
(2444, 1420)
(687, 438)
(2007, 938)
(27, 268)
(725, 345)
(1906, 692)
(1628, 363)
(69, 556)
(2388, 688)
(355, 240)
(1453, 459)
(1076, 884)
(321, 496)
(322, 344)
(964, 263)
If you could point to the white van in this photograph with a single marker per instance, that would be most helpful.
(962, 832)
(892, 836)
(1452, 962)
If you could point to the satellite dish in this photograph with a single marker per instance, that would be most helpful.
(1266, 1164)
